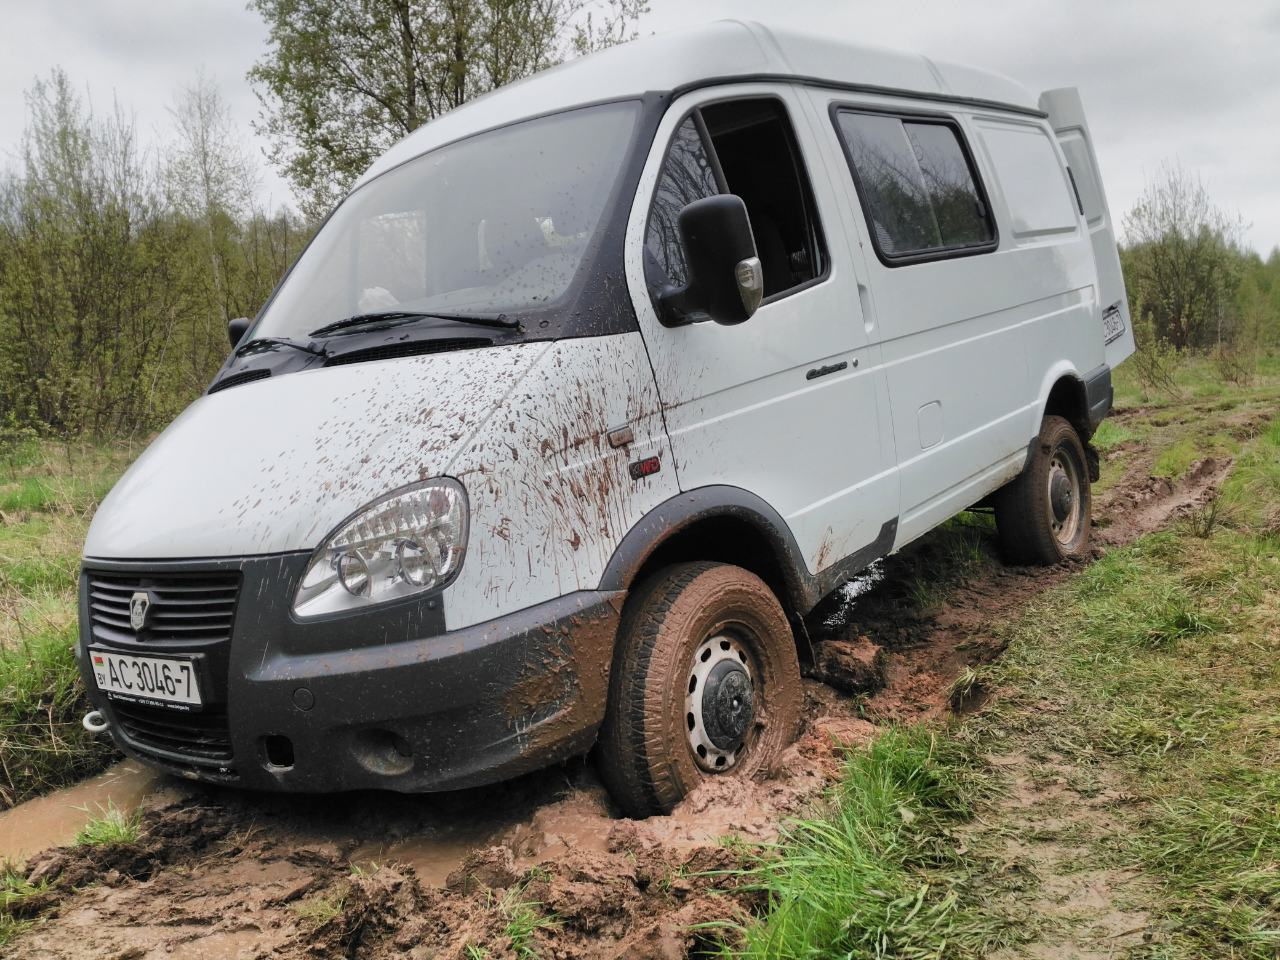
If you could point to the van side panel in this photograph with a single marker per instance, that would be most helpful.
(1066, 114)
(551, 496)
(1046, 241)
(966, 338)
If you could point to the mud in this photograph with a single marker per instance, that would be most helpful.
(55, 819)
(222, 874)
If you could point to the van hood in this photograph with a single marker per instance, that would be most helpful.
(275, 465)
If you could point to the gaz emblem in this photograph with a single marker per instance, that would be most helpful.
(139, 604)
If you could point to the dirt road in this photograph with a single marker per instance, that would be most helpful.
(223, 874)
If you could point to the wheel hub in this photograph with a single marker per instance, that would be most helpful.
(727, 704)
(1061, 495)
(1064, 498)
(720, 703)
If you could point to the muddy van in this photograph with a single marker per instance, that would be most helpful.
(585, 395)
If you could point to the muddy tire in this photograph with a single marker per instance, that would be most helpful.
(1045, 515)
(705, 683)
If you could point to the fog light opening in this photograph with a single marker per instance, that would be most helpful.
(279, 752)
(383, 752)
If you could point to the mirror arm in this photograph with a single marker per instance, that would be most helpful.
(676, 305)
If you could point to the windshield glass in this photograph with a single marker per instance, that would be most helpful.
(496, 223)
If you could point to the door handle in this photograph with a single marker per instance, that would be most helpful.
(817, 372)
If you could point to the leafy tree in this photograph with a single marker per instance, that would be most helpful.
(117, 271)
(345, 79)
(1183, 261)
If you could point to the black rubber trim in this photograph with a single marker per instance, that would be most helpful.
(1099, 394)
(807, 80)
(682, 511)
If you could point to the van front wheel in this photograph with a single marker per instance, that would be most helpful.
(705, 683)
(1044, 516)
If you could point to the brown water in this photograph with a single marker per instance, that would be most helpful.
(53, 820)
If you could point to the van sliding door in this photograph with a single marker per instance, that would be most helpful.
(1066, 115)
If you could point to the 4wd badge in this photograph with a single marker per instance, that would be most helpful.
(139, 604)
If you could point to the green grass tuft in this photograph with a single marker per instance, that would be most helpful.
(523, 921)
(1111, 434)
(112, 825)
(15, 896)
(876, 873)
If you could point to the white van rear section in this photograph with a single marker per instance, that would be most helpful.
(1066, 114)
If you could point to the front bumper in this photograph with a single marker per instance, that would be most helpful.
(383, 698)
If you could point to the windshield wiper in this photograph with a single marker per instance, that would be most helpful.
(279, 341)
(361, 319)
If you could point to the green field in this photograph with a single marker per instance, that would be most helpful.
(48, 493)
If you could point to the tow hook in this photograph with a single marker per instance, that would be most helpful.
(94, 721)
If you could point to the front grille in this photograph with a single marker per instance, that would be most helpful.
(184, 608)
(201, 740)
(187, 613)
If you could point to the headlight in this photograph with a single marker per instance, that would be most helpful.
(408, 542)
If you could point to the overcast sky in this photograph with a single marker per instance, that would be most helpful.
(1187, 80)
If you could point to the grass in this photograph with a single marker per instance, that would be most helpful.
(42, 744)
(47, 495)
(1161, 664)
(876, 872)
(1152, 677)
(112, 825)
(523, 921)
(16, 895)
(316, 911)
(1111, 434)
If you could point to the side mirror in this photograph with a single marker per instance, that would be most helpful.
(236, 329)
(726, 279)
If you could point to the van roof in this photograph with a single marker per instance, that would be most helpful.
(724, 51)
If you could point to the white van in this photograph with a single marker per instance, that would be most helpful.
(585, 394)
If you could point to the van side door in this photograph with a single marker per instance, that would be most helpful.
(951, 340)
(785, 405)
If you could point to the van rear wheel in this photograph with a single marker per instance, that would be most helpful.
(705, 683)
(1044, 516)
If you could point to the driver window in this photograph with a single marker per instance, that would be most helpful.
(687, 175)
(750, 150)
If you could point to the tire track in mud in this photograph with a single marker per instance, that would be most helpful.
(225, 874)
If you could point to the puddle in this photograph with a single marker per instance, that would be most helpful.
(53, 820)
(432, 857)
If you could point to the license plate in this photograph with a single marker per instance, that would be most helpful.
(1112, 324)
(162, 681)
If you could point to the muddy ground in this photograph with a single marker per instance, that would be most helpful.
(225, 874)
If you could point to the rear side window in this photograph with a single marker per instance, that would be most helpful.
(744, 147)
(1032, 179)
(919, 190)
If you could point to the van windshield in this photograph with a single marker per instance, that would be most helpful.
(497, 223)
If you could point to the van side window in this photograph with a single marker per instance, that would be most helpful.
(744, 147)
(919, 190)
(757, 150)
